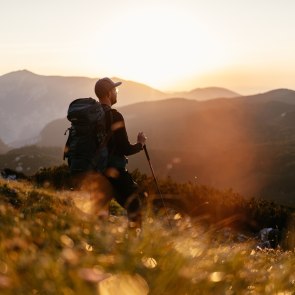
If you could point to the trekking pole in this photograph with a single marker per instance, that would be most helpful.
(156, 182)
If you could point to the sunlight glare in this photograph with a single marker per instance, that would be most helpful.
(123, 284)
(156, 46)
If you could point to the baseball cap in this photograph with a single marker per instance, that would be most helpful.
(104, 85)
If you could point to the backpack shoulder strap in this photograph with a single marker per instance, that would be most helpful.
(108, 123)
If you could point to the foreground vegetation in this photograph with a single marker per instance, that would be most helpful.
(50, 243)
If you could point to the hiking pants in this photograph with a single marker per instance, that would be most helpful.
(127, 195)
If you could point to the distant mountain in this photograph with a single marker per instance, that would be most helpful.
(30, 101)
(207, 93)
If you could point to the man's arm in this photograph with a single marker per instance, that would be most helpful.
(120, 136)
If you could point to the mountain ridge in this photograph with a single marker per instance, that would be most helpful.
(34, 100)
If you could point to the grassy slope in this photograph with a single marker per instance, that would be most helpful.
(49, 246)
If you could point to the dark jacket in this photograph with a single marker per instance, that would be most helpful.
(118, 145)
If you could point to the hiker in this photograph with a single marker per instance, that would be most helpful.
(96, 150)
(118, 146)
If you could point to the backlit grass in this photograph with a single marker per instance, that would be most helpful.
(48, 245)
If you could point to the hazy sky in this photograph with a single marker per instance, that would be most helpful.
(244, 45)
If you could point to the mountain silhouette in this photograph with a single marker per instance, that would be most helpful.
(246, 143)
(30, 101)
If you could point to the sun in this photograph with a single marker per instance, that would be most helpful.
(156, 46)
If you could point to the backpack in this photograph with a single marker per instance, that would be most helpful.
(86, 146)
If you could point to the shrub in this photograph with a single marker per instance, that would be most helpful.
(58, 177)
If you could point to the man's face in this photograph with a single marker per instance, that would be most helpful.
(113, 97)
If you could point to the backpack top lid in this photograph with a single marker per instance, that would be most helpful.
(85, 110)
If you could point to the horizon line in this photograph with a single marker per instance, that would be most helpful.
(147, 85)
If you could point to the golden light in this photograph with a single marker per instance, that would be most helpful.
(156, 45)
(124, 284)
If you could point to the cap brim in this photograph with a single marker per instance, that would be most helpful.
(117, 84)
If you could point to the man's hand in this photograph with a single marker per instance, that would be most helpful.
(141, 138)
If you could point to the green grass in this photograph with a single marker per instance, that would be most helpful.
(48, 245)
